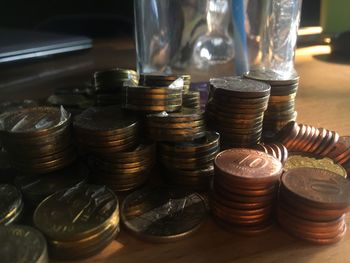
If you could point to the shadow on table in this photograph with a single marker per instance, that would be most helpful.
(334, 58)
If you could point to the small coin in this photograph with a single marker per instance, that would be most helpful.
(171, 214)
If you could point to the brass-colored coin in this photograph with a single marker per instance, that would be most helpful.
(141, 95)
(162, 221)
(35, 121)
(173, 131)
(296, 161)
(76, 212)
(22, 244)
(185, 115)
(169, 108)
(174, 125)
(152, 102)
(11, 204)
(187, 137)
(152, 90)
(106, 144)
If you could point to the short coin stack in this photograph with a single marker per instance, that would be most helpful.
(313, 203)
(35, 188)
(281, 109)
(78, 222)
(38, 139)
(190, 163)
(126, 170)
(185, 125)
(236, 110)
(244, 190)
(153, 80)
(277, 150)
(153, 98)
(108, 85)
(163, 214)
(306, 138)
(11, 204)
(191, 99)
(22, 244)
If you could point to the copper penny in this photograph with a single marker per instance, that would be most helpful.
(324, 143)
(341, 148)
(332, 142)
(318, 187)
(288, 132)
(312, 139)
(291, 145)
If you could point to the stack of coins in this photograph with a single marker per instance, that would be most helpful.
(277, 150)
(236, 110)
(341, 152)
(38, 139)
(191, 99)
(281, 109)
(104, 131)
(11, 204)
(190, 163)
(306, 138)
(36, 188)
(244, 190)
(165, 80)
(78, 222)
(108, 85)
(153, 99)
(124, 171)
(22, 244)
(312, 204)
(297, 161)
(163, 214)
(185, 125)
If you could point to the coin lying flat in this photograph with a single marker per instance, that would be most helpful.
(163, 214)
(22, 244)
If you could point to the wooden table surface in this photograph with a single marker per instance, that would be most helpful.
(323, 100)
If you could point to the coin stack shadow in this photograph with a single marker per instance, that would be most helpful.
(22, 244)
(312, 205)
(38, 140)
(190, 163)
(111, 139)
(307, 139)
(281, 109)
(78, 222)
(236, 109)
(108, 85)
(244, 190)
(277, 150)
(191, 99)
(11, 204)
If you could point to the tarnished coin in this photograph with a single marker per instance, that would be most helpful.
(34, 121)
(185, 115)
(247, 164)
(273, 77)
(76, 212)
(318, 187)
(11, 204)
(297, 161)
(163, 214)
(22, 244)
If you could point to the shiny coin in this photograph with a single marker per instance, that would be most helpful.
(272, 77)
(11, 204)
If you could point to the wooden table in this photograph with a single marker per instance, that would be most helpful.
(323, 101)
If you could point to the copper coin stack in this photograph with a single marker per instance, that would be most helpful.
(244, 190)
(153, 80)
(191, 99)
(190, 163)
(108, 85)
(236, 110)
(38, 140)
(184, 125)
(281, 109)
(109, 136)
(78, 222)
(306, 138)
(341, 152)
(277, 150)
(312, 205)
(154, 95)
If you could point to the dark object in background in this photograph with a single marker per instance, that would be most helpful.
(340, 44)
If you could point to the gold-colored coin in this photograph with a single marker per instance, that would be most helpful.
(296, 161)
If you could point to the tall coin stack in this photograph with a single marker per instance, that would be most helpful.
(244, 190)
(281, 109)
(191, 99)
(236, 110)
(153, 98)
(184, 125)
(108, 85)
(38, 139)
(110, 136)
(190, 163)
(313, 203)
(153, 80)
(78, 222)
